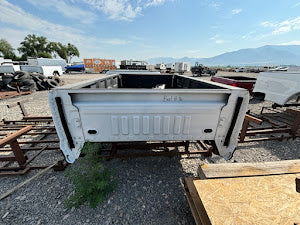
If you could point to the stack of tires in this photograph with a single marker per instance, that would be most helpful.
(28, 82)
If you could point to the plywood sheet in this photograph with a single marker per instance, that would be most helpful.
(249, 169)
(251, 200)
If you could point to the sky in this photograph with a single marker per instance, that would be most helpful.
(144, 29)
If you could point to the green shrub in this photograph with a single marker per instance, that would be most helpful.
(92, 181)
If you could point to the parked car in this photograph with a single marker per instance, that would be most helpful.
(241, 69)
(47, 71)
(75, 68)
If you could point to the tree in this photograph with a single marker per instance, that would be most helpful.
(6, 50)
(72, 51)
(60, 49)
(35, 46)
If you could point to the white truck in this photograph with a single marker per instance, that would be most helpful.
(33, 61)
(277, 86)
(131, 107)
(47, 71)
(9, 68)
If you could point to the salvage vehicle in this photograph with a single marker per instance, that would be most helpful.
(278, 87)
(237, 81)
(142, 107)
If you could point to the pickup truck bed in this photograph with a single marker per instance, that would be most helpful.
(237, 81)
(131, 107)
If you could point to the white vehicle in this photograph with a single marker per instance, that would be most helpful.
(138, 107)
(46, 62)
(280, 68)
(171, 66)
(160, 66)
(47, 71)
(9, 68)
(278, 87)
(181, 67)
(241, 70)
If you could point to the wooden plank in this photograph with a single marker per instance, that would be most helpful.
(250, 200)
(250, 169)
(192, 206)
(200, 210)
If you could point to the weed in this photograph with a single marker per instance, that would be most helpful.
(92, 181)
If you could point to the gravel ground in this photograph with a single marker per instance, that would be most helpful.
(149, 190)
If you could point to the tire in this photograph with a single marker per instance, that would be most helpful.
(58, 80)
(10, 87)
(21, 76)
(41, 86)
(28, 82)
(38, 77)
(6, 79)
(31, 87)
(51, 83)
(56, 73)
(2, 85)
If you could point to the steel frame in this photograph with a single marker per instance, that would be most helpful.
(14, 135)
(282, 123)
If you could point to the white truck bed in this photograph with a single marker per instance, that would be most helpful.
(125, 107)
(278, 87)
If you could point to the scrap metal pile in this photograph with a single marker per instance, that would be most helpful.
(22, 81)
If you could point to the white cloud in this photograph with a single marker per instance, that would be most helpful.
(267, 24)
(236, 11)
(296, 5)
(122, 9)
(66, 9)
(284, 26)
(154, 3)
(220, 41)
(27, 23)
(115, 41)
(214, 37)
(291, 43)
(215, 5)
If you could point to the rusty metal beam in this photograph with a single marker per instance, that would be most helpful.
(268, 131)
(253, 119)
(12, 137)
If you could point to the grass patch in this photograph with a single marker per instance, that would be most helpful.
(92, 181)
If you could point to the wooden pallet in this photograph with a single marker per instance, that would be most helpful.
(246, 193)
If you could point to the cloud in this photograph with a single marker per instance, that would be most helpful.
(284, 26)
(27, 23)
(220, 41)
(296, 5)
(66, 9)
(154, 3)
(115, 41)
(291, 43)
(236, 11)
(122, 9)
(214, 37)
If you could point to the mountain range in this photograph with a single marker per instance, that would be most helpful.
(265, 55)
